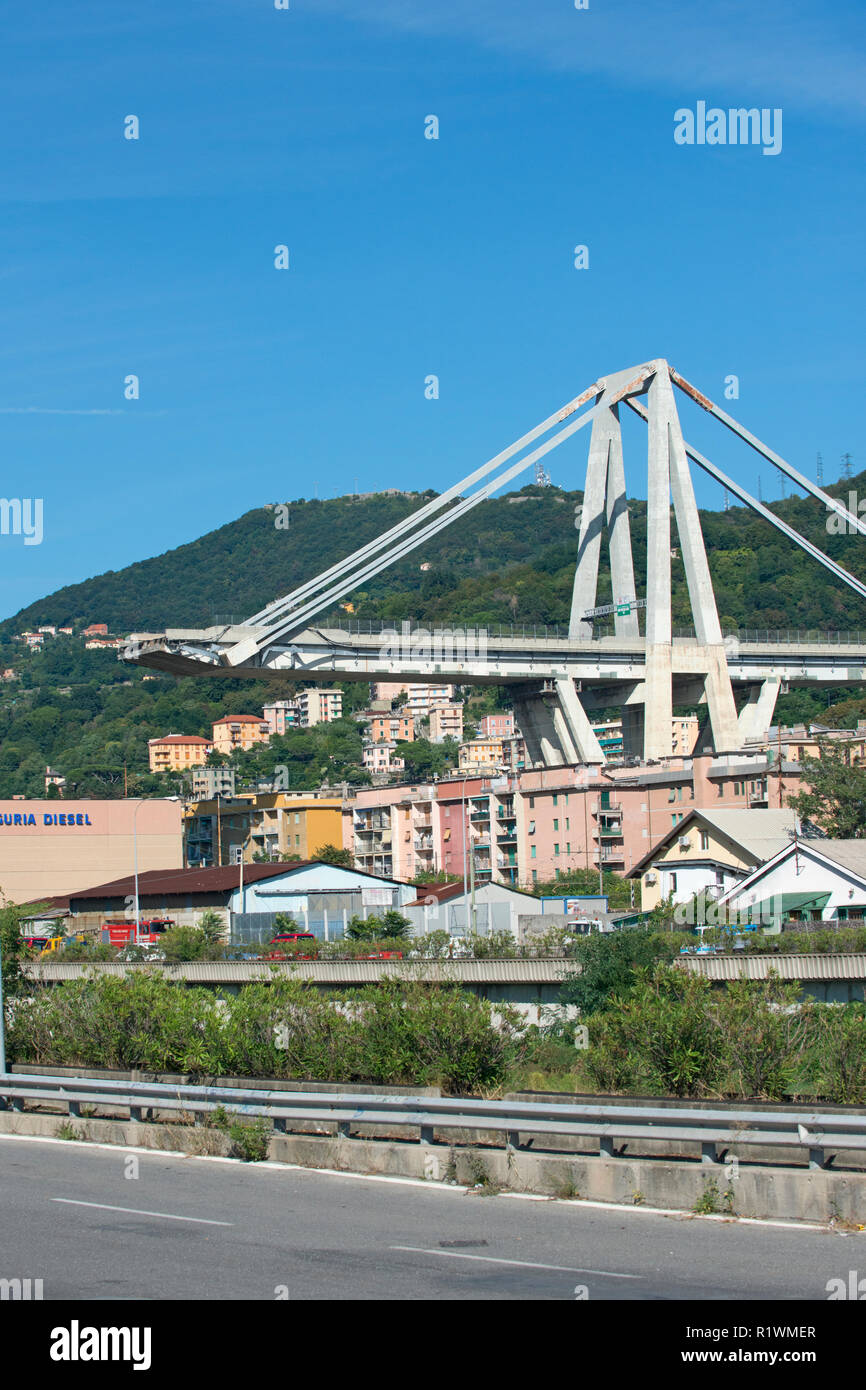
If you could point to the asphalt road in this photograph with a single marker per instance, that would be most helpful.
(189, 1228)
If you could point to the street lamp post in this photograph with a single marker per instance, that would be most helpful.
(135, 859)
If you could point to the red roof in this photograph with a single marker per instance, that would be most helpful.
(170, 882)
(442, 892)
(180, 738)
(239, 719)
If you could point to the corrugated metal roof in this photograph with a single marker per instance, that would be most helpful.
(338, 972)
(816, 965)
(180, 882)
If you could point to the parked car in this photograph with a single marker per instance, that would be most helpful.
(290, 938)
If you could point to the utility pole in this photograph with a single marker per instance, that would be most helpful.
(819, 469)
(2, 1017)
(846, 465)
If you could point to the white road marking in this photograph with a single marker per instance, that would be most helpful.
(428, 1184)
(135, 1211)
(519, 1264)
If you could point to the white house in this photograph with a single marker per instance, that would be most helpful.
(709, 851)
(807, 880)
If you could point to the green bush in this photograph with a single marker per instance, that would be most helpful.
(391, 1033)
(608, 964)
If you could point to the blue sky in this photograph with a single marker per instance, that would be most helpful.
(409, 257)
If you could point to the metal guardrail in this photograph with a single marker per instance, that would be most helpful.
(557, 632)
(815, 1131)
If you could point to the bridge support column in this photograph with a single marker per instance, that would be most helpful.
(756, 716)
(632, 731)
(604, 499)
(669, 478)
(586, 746)
(658, 728)
(535, 721)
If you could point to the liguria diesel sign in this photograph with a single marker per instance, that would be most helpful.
(67, 818)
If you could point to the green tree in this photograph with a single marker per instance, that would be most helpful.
(608, 962)
(332, 854)
(211, 925)
(836, 795)
(13, 948)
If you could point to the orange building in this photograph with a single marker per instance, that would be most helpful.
(174, 752)
(396, 728)
(242, 731)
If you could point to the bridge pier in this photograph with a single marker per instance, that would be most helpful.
(756, 715)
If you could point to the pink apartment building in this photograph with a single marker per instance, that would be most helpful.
(497, 725)
(540, 824)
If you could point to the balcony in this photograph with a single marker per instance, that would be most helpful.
(612, 808)
(508, 838)
(611, 856)
(423, 822)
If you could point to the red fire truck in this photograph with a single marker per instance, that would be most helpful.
(150, 930)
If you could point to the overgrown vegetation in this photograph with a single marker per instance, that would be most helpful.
(396, 1033)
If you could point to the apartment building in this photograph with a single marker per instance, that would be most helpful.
(281, 716)
(228, 830)
(798, 741)
(481, 753)
(446, 721)
(177, 752)
(206, 783)
(499, 725)
(380, 759)
(536, 825)
(319, 706)
(391, 728)
(387, 690)
(422, 698)
(239, 732)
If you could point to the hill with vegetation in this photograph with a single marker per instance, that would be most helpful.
(509, 560)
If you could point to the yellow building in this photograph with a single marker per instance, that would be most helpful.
(284, 823)
(242, 731)
(222, 830)
(709, 851)
(481, 752)
(175, 752)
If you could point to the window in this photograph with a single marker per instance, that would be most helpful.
(297, 841)
(673, 883)
(566, 798)
(567, 847)
(297, 818)
(532, 851)
(534, 875)
(556, 849)
(531, 830)
(705, 840)
(556, 825)
(532, 803)
(567, 826)
(555, 799)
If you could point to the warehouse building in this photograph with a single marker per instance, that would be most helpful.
(59, 846)
(320, 897)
